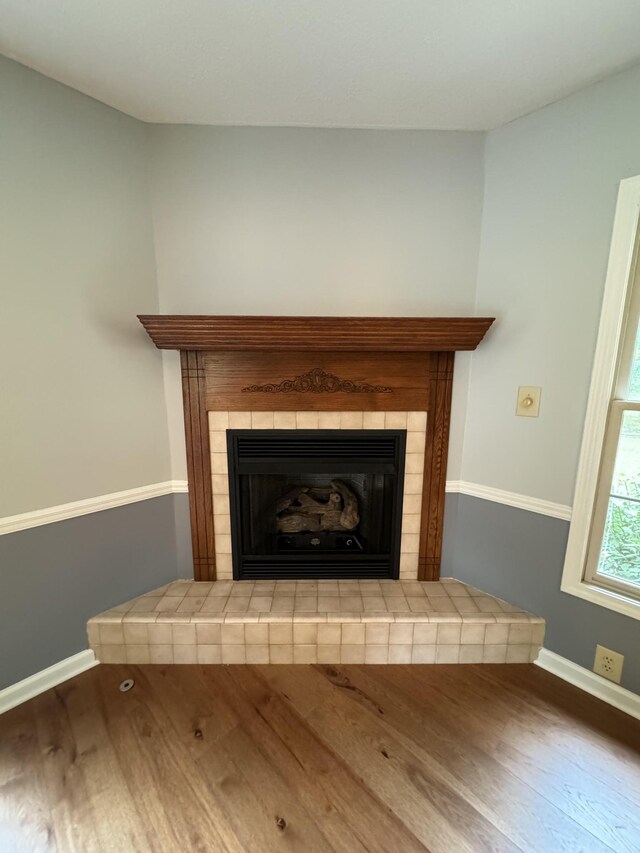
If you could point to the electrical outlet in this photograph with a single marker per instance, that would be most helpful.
(608, 664)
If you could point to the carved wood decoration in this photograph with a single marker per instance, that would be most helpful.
(318, 381)
(318, 363)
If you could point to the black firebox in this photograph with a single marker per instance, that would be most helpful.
(316, 503)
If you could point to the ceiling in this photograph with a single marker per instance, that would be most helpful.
(440, 64)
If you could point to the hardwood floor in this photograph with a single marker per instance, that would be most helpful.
(318, 758)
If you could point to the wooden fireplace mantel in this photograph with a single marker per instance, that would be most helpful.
(319, 334)
(319, 363)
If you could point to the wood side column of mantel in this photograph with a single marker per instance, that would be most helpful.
(220, 372)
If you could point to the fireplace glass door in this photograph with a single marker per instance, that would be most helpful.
(316, 503)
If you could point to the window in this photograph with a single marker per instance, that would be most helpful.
(603, 554)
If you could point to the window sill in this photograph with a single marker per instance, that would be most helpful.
(603, 597)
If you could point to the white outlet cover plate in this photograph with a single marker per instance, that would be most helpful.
(525, 393)
(608, 664)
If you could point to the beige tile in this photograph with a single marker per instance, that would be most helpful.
(465, 605)
(190, 605)
(305, 634)
(218, 421)
(329, 420)
(409, 543)
(373, 604)
(413, 484)
(519, 634)
(280, 634)
(471, 654)
(400, 653)
(220, 484)
(537, 634)
(220, 507)
(145, 604)
(328, 603)
(239, 420)
(423, 653)
(419, 604)
(208, 635)
(234, 654)
(305, 653)
(329, 653)
(232, 634)
(411, 523)
(284, 420)
(518, 653)
(261, 420)
(397, 604)
(184, 634)
(138, 653)
(224, 565)
(401, 633)
(219, 463)
(472, 635)
(447, 654)
(223, 543)
(168, 604)
(352, 653)
(415, 442)
(93, 633)
(307, 420)
(281, 653)
(257, 653)
(213, 605)
(161, 653)
(353, 634)
(376, 634)
(329, 634)
(351, 604)
(218, 441)
(425, 634)
(305, 603)
(373, 420)
(209, 654)
(414, 463)
(395, 420)
(285, 588)
(416, 421)
(222, 524)
(261, 603)
(135, 634)
(236, 605)
(496, 653)
(256, 635)
(113, 653)
(496, 635)
(448, 635)
(412, 504)
(351, 420)
(376, 654)
(185, 654)
(282, 604)
(220, 588)
(199, 589)
(111, 634)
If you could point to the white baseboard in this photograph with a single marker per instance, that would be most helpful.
(488, 493)
(25, 520)
(588, 681)
(35, 684)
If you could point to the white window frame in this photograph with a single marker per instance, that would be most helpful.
(575, 576)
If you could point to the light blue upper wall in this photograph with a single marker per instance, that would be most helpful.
(82, 395)
(314, 221)
(551, 181)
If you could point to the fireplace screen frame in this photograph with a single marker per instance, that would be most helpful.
(307, 565)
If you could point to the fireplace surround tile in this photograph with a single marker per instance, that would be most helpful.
(414, 422)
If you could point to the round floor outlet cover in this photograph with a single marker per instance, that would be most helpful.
(127, 684)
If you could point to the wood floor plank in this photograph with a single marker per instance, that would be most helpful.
(529, 819)
(387, 759)
(25, 820)
(431, 808)
(341, 805)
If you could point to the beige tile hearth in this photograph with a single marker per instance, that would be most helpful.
(324, 621)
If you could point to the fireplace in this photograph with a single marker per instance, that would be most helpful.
(319, 503)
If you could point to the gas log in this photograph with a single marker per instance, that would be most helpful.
(316, 508)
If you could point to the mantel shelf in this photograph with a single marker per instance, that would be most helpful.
(315, 334)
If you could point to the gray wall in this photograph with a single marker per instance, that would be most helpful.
(309, 221)
(551, 181)
(518, 556)
(82, 393)
(56, 576)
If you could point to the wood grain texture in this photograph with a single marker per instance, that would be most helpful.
(403, 376)
(316, 334)
(196, 426)
(435, 466)
(325, 758)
